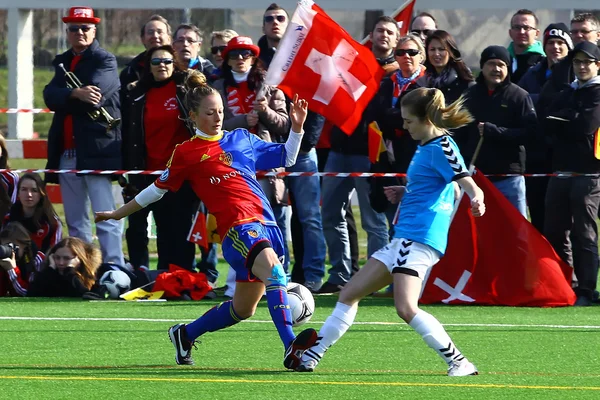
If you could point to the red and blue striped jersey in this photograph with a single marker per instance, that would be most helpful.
(222, 171)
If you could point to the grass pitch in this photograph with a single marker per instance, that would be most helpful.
(58, 349)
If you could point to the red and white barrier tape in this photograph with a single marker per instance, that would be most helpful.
(262, 174)
(26, 111)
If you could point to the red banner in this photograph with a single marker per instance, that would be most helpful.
(498, 259)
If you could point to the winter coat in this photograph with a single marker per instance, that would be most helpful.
(510, 122)
(572, 123)
(96, 148)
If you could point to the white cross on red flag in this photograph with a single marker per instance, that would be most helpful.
(318, 60)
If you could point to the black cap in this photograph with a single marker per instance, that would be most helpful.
(588, 48)
(495, 53)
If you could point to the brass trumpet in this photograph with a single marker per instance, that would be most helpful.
(72, 83)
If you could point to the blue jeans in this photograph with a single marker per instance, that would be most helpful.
(513, 188)
(336, 195)
(306, 191)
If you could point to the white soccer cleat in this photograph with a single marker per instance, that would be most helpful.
(462, 368)
(307, 365)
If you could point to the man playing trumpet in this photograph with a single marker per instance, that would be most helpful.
(80, 136)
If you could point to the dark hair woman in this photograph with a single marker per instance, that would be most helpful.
(446, 70)
(8, 181)
(18, 269)
(34, 210)
(155, 123)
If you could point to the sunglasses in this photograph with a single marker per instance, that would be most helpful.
(410, 52)
(76, 28)
(270, 18)
(235, 54)
(158, 61)
(217, 49)
(425, 32)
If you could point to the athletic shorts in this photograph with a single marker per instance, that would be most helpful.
(407, 257)
(244, 242)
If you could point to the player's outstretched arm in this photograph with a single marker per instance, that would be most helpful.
(475, 194)
(121, 212)
(146, 197)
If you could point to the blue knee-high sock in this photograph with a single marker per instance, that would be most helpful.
(216, 318)
(277, 300)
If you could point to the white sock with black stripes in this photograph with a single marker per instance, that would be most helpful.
(435, 336)
(333, 329)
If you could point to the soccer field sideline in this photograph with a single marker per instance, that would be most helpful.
(258, 321)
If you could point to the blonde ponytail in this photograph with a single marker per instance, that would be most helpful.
(430, 104)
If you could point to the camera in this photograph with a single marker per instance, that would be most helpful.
(7, 250)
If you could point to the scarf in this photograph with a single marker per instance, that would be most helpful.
(536, 47)
(442, 80)
(401, 83)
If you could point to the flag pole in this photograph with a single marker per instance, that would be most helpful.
(471, 170)
(141, 287)
(394, 14)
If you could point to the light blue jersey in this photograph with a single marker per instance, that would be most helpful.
(425, 210)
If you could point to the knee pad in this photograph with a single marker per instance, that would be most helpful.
(278, 275)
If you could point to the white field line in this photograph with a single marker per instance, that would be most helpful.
(256, 321)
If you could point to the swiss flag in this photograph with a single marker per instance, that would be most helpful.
(318, 60)
(498, 259)
(198, 233)
(402, 15)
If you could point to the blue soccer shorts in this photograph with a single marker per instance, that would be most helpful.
(244, 242)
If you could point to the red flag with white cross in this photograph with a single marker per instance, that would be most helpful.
(198, 233)
(318, 60)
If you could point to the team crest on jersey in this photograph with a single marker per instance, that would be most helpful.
(226, 158)
(253, 234)
(164, 176)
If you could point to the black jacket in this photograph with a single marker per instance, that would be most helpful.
(134, 141)
(451, 85)
(49, 283)
(561, 78)
(266, 53)
(524, 62)
(96, 148)
(534, 79)
(573, 139)
(510, 122)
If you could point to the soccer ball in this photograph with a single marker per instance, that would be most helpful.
(116, 283)
(302, 303)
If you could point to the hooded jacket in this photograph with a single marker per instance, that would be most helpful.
(573, 121)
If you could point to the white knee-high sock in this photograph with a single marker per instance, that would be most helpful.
(435, 336)
(333, 329)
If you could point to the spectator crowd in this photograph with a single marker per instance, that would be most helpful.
(536, 104)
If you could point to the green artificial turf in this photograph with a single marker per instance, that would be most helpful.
(111, 349)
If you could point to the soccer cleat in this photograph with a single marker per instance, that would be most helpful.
(303, 341)
(183, 346)
(462, 368)
(307, 365)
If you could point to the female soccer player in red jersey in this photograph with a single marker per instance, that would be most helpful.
(221, 166)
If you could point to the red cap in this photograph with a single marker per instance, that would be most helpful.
(240, 43)
(81, 14)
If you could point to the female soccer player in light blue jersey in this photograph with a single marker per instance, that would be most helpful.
(421, 231)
